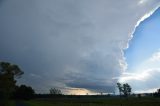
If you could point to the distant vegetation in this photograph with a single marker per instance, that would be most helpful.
(54, 91)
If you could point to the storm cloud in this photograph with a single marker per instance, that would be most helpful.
(69, 43)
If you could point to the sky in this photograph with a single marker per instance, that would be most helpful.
(143, 56)
(79, 46)
(145, 41)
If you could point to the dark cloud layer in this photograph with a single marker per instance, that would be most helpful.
(68, 43)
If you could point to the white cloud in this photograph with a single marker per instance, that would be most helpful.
(155, 57)
(152, 90)
(145, 76)
(142, 2)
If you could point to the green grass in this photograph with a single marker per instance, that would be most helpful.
(95, 102)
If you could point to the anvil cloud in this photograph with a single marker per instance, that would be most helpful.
(69, 43)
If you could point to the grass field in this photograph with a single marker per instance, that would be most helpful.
(95, 102)
(7, 103)
(11, 103)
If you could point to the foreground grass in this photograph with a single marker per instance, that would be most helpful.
(11, 103)
(95, 102)
(7, 103)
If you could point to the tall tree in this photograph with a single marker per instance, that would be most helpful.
(124, 89)
(119, 85)
(8, 75)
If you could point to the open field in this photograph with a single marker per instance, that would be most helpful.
(7, 103)
(12, 103)
(95, 102)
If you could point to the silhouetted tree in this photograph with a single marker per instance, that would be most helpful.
(157, 94)
(119, 88)
(24, 92)
(158, 91)
(139, 95)
(124, 89)
(8, 73)
(55, 91)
